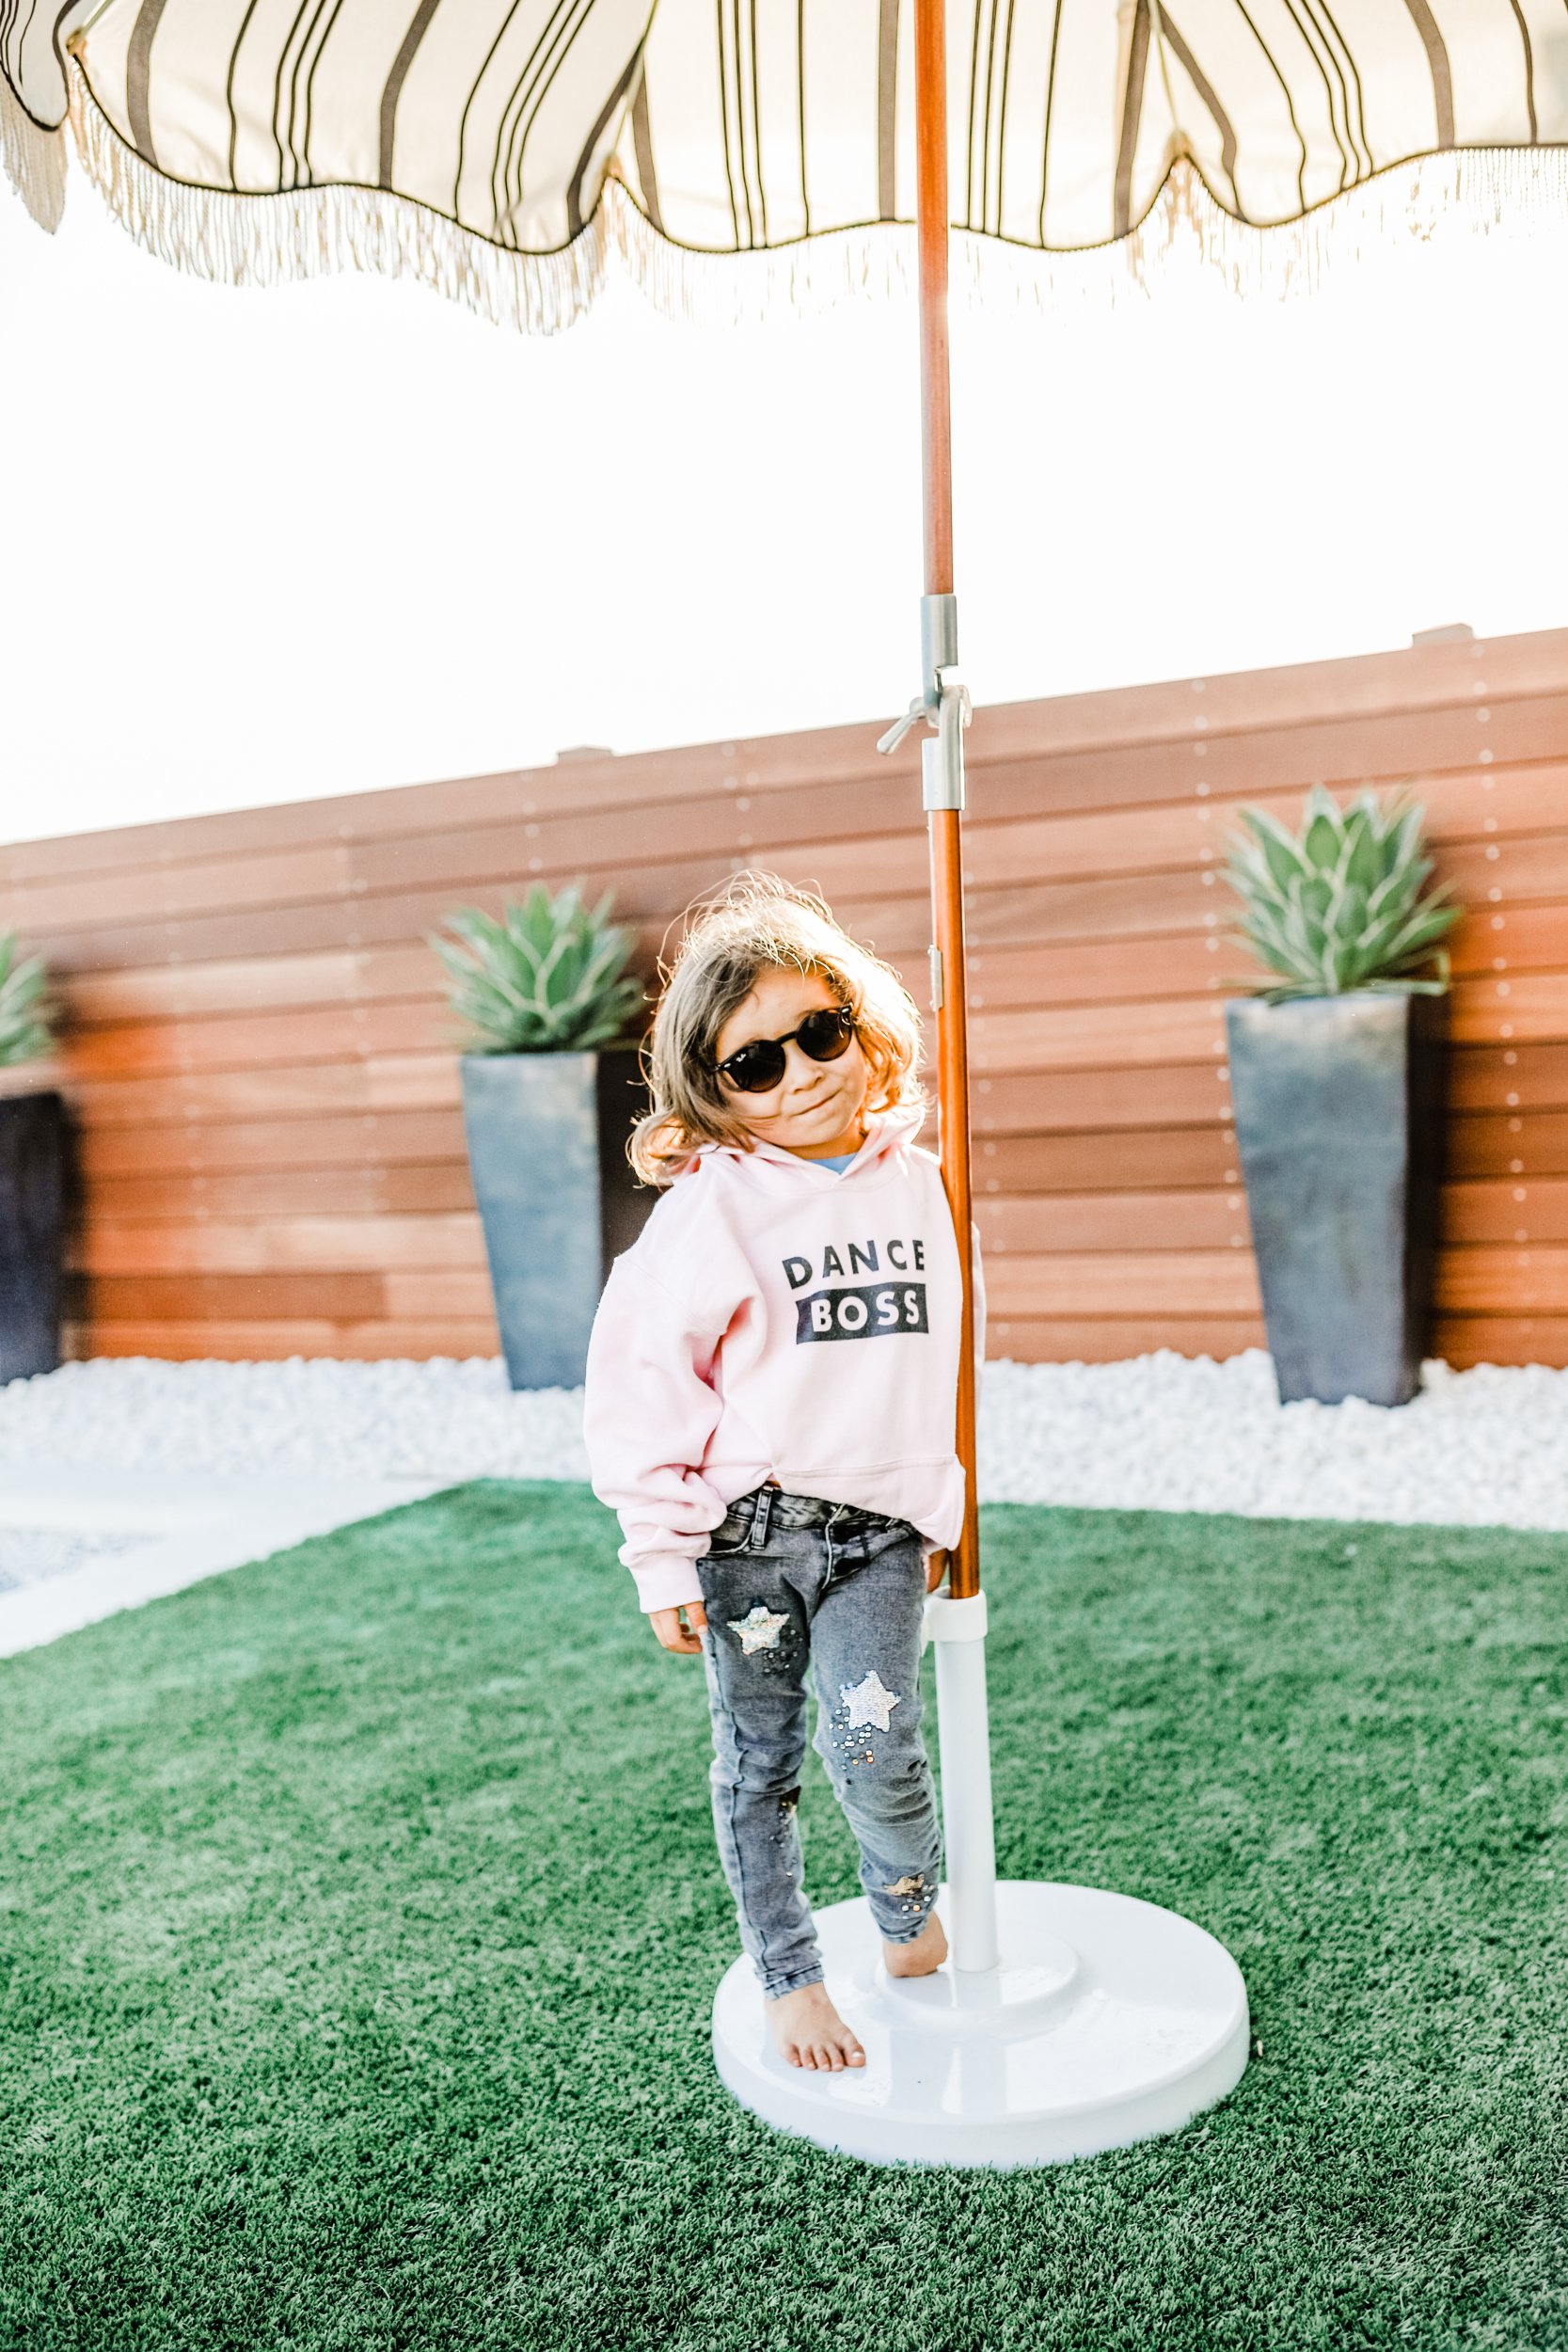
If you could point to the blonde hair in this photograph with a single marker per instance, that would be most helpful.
(758, 923)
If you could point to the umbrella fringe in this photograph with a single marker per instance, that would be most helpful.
(747, 289)
(269, 240)
(247, 239)
(33, 159)
(1444, 199)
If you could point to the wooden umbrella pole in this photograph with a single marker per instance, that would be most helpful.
(946, 842)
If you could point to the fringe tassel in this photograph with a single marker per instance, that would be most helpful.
(1436, 200)
(314, 232)
(34, 160)
(1441, 201)
(310, 232)
(750, 289)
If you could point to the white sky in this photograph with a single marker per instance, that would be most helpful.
(261, 546)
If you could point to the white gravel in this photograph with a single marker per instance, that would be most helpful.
(1160, 1432)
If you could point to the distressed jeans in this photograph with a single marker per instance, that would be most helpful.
(792, 1583)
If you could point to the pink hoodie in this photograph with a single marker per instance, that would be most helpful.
(737, 1341)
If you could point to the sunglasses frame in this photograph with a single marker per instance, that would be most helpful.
(846, 1030)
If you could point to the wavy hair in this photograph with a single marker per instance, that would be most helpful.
(758, 923)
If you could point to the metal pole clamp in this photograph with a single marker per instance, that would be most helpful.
(943, 703)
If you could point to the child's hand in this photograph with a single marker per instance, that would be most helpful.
(936, 1568)
(677, 1629)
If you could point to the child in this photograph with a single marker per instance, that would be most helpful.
(770, 1407)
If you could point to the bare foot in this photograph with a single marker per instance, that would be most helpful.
(920, 1957)
(809, 2031)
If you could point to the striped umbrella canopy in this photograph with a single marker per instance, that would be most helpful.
(507, 151)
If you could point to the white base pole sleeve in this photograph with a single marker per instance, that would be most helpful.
(964, 1729)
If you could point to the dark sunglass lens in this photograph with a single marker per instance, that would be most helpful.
(826, 1035)
(755, 1069)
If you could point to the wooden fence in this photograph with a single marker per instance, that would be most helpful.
(263, 1065)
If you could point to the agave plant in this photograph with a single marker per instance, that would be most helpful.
(1343, 903)
(24, 1015)
(548, 978)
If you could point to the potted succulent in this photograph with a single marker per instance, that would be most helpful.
(32, 1178)
(1337, 1068)
(551, 1085)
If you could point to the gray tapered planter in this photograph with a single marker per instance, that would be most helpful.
(32, 1231)
(548, 1151)
(1338, 1105)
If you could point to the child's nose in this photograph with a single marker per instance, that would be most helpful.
(799, 1069)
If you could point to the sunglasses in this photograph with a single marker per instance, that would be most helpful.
(756, 1068)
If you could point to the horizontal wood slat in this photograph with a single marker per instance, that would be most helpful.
(1188, 825)
(385, 1083)
(191, 993)
(262, 1040)
(1450, 681)
(1502, 1340)
(347, 1297)
(193, 1337)
(196, 997)
(1480, 1281)
(297, 1244)
(1132, 1160)
(374, 1139)
(1124, 1282)
(1068, 1222)
(264, 1067)
(286, 1193)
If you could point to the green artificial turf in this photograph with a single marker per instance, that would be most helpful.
(360, 1922)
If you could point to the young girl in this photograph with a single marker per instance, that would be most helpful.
(770, 1407)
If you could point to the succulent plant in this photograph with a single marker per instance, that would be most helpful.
(1343, 904)
(24, 1015)
(548, 977)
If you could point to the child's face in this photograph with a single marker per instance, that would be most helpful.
(816, 1107)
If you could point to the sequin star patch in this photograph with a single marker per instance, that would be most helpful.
(759, 1630)
(868, 1702)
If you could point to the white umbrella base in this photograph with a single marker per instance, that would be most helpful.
(1109, 2020)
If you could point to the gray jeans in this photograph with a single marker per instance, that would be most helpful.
(790, 1581)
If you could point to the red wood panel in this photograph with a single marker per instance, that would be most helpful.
(262, 1064)
(415, 1297)
(262, 1040)
(1497, 1148)
(1531, 1211)
(1187, 1282)
(1100, 1037)
(1530, 1007)
(265, 1340)
(280, 1194)
(299, 927)
(1131, 1159)
(185, 993)
(1035, 1103)
(227, 1298)
(1465, 1340)
(291, 1245)
(1520, 1282)
(1506, 1078)
(1356, 693)
(245, 1146)
(1068, 1222)
(390, 1082)
(1089, 971)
